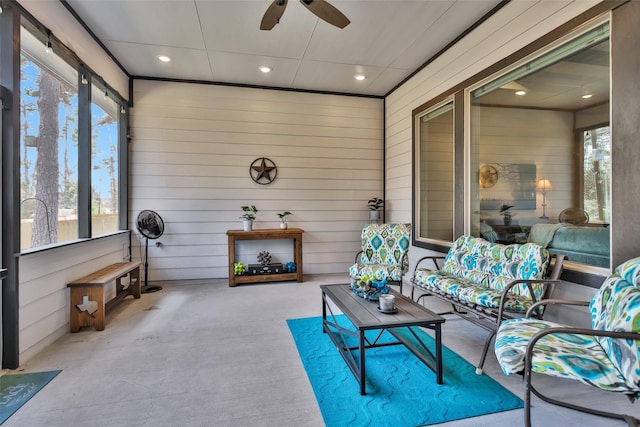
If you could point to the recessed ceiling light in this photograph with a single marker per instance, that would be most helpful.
(359, 77)
(521, 93)
(164, 58)
(587, 96)
(264, 69)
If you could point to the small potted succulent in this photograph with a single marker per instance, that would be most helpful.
(239, 268)
(375, 209)
(248, 217)
(283, 218)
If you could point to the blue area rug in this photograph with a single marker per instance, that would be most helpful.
(401, 390)
(16, 390)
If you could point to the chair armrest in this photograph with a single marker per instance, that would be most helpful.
(433, 258)
(544, 302)
(404, 263)
(528, 282)
(625, 335)
(357, 255)
(558, 265)
(551, 282)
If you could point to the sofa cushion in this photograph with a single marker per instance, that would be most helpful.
(616, 307)
(384, 250)
(468, 292)
(579, 357)
(494, 265)
(384, 243)
(587, 245)
(593, 240)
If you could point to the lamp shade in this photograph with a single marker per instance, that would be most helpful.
(544, 184)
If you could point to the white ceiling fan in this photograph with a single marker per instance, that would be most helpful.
(320, 8)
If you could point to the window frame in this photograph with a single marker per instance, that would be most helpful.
(457, 96)
(591, 276)
(417, 164)
(118, 123)
(84, 140)
(581, 184)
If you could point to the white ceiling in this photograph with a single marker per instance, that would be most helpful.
(220, 40)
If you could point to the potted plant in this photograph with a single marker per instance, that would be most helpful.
(248, 217)
(507, 215)
(375, 208)
(283, 217)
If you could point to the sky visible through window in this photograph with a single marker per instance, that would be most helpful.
(104, 136)
(49, 152)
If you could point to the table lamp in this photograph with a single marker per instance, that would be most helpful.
(544, 185)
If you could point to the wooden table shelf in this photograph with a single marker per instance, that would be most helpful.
(295, 234)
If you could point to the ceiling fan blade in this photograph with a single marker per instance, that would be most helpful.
(326, 12)
(273, 14)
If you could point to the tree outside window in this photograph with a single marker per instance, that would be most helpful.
(597, 180)
(49, 152)
(104, 163)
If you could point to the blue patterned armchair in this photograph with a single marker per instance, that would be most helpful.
(606, 356)
(384, 254)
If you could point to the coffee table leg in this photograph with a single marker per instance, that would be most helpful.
(363, 390)
(324, 310)
(438, 354)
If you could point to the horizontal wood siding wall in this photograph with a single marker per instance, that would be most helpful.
(44, 296)
(190, 152)
(543, 138)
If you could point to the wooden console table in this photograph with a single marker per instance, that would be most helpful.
(269, 234)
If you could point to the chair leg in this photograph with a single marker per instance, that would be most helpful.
(485, 350)
(420, 297)
(527, 395)
(529, 388)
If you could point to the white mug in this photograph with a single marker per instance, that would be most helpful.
(387, 302)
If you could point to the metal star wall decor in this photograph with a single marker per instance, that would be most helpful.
(263, 171)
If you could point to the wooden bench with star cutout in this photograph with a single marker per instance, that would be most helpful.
(91, 296)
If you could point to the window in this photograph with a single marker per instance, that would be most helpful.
(542, 131)
(48, 146)
(530, 161)
(104, 162)
(71, 148)
(434, 154)
(596, 189)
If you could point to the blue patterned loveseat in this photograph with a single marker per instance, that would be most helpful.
(384, 254)
(488, 282)
(606, 356)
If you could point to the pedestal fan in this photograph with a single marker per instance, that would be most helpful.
(151, 226)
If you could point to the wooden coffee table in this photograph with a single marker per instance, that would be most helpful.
(364, 315)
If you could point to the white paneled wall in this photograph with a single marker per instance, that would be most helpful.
(191, 148)
(44, 296)
(543, 138)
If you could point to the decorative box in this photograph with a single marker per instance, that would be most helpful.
(377, 288)
(273, 268)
